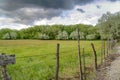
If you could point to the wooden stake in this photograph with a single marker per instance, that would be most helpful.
(101, 55)
(84, 64)
(79, 57)
(95, 56)
(104, 49)
(4, 73)
(57, 62)
(95, 61)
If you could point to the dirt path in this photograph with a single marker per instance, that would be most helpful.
(112, 71)
(114, 68)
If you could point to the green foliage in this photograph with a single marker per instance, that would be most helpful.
(51, 32)
(62, 35)
(109, 26)
(43, 37)
(6, 36)
(74, 35)
(91, 37)
(10, 35)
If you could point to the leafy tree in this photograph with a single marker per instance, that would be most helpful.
(62, 35)
(109, 26)
(10, 35)
(91, 37)
(43, 37)
(6, 36)
(74, 35)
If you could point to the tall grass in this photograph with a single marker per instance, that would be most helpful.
(35, 59)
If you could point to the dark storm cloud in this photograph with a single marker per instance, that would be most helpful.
(55, 4)
(26, 11)
(28, 15)
(81, 10)
(113, 0)
(83, 2)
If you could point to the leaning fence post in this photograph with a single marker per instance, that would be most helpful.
(57, 62)
(95, 60)
(79, 57)
(95, 56)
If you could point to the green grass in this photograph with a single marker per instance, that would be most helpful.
(42, 67)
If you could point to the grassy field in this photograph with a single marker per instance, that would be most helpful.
(35, 59)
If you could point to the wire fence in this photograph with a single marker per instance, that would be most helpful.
(42, 67)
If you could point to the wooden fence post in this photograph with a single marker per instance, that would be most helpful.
(101, 55)
(95, 60)
(57, 62)
(95, 56)
(79, 57)
(104, 48)
(4, 73)
(4, 61)
(107, 49)
(84, 64)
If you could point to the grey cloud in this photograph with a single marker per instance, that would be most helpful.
(113, 0)
(98, 6)
(81, 10)
(55, 4)
(26, 11)
(83, 2)
(28, 15)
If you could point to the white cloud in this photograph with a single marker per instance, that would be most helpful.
(91, 15)
(14, 26)
(67, 17)
(40, 22)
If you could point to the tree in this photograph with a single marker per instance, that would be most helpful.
(91, 37)
(62, 35)
(10, 35)
(109, 26)
(43, 37)
(74, 35)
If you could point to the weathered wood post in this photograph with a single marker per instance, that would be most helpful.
(95, 56)
(79, 57)
(57, 62)
(107, 47)
(84, 64)
(104, 49)
(101, 55)
(95, 60)
(4, 61)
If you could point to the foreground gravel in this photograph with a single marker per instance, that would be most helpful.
(113, 72)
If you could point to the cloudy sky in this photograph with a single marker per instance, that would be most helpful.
(18, 14)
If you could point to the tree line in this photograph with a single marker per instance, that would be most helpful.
(52, 32)
(108, 27)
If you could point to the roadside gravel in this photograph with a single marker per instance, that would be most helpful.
(114, 68)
